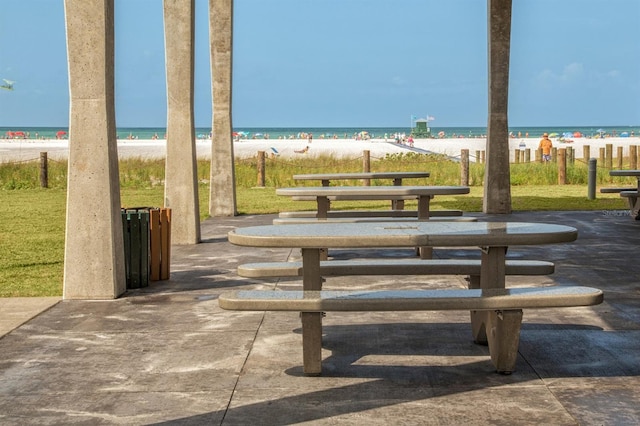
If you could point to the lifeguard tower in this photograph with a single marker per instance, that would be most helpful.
(421, 129)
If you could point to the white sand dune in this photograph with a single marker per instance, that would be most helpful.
(26, 150)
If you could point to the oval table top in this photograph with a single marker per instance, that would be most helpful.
(361, 175)
(414, 234)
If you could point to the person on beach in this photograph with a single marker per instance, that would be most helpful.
(545, 146)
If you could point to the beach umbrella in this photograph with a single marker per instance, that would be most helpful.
(60, 134)
(624, 134)
(577, 134)
(553, 135)
(567, 135)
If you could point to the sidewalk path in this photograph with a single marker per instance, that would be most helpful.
(168, 355)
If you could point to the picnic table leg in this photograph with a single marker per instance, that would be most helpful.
(504, 337)
(634, 206)
(311, 321)
(397, 204)
(423, 214)
(323, 207)
(492, 273)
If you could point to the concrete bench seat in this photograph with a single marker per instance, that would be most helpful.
(630, 193)
(370, 213)
(353, 197)
(301, 220)
(612, 190)
(469, 267)
(502, 310)
(634, 202)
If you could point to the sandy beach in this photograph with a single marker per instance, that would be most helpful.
(29, 150)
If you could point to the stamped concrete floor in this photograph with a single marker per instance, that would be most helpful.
(167, 354)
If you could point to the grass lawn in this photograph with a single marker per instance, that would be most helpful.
(33, 222)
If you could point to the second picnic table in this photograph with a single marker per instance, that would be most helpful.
(322, 194)
(632, 195)
(397, 178)
(326, 178)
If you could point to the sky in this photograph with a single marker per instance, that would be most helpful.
(346, 63)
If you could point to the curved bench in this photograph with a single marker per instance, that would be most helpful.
(469, 267)
(300, 220)
(611, 190)
(369, 213)
(633, 197)
(502, 309)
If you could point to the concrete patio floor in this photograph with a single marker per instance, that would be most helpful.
(167, 354)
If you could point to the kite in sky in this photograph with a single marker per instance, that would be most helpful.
(8, 84)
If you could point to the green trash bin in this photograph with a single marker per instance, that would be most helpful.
(135, 226)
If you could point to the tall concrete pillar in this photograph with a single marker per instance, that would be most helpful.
(94, 254)
(222, 197)
(497, 185)
(181, 176)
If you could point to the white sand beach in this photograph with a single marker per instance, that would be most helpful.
(29, 150)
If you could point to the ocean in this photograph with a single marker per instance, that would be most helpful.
(338, 132)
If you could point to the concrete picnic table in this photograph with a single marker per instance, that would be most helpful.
(493, 237)
(322, 194)
(635, 173)
(326, 178)
(397, 177)
(633, 196)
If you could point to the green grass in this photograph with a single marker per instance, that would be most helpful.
(33, 219)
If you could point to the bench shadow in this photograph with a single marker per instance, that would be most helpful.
(546, 351)
(399, 362)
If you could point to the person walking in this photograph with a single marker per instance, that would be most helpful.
(545, 146)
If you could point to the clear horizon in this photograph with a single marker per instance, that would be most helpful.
(375, 63)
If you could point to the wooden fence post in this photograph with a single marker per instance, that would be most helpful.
(608, 156)
(633, 157)
(516, 156)
(562, 166)
(44, 170)
(586, 153)
(620, 157)
(571, 153)
(261, 168)
(527, 155)
(464, 167)
(366, 166)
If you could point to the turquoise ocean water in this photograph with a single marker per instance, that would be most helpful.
(340, 132)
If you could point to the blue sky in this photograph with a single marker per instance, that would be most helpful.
(374, 63)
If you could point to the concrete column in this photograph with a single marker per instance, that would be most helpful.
(181, 176)
(222, 197)
(94, 253)
(497, 189)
